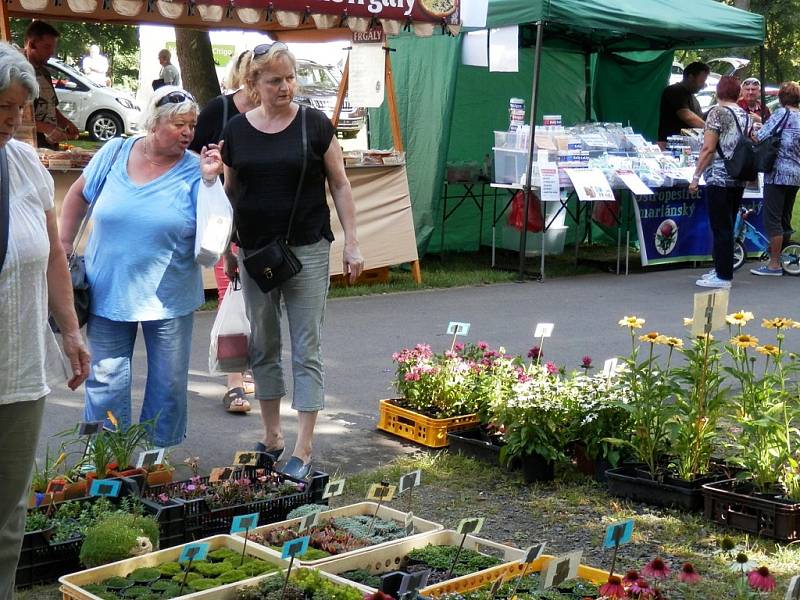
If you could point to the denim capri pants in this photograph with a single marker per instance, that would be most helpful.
(304, 297)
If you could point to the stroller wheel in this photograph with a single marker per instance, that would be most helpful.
(790, 259)
(738, 255)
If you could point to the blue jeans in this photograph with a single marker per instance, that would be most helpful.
(108, 388)
(304, 296)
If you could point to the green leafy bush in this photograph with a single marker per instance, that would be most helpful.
(114, 537)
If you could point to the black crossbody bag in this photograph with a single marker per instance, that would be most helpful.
(768, 148)
(742, 162)
(275, 263)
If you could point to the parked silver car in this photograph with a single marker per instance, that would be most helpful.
(318, 87)
(102, 111)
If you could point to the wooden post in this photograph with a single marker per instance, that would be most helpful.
(416, 273)
(5, 29)
(342, 91)
(394, 118)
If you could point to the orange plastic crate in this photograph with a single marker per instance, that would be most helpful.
(419, 428)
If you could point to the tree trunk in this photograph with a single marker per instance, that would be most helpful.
(197, 64)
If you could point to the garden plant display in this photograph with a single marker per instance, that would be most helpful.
(528, 588)
(304, 584)
(239, 489)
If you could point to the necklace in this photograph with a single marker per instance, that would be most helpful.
(158, 164)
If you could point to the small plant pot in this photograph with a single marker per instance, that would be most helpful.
(160, 476)
(536, 468)
(76, 489)
(117, 584)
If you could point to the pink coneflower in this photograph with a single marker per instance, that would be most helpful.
(586, 362)
(613, 589)
(688, 574)
(761, 579)
(641, 589)
(630, 577)
(535, 353)
(657, 569)
(459, 347)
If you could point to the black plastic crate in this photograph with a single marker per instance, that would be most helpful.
(42, 562)
(170, 521)
(628, 482)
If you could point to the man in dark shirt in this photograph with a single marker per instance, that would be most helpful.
(679, 107)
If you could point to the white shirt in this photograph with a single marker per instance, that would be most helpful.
(28, 349)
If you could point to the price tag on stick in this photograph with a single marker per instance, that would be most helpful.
(408, 524)
(617, 534)
(408, 482)
(148, 458)
(90, 428)
(189, 554)
(333, 488)
(531, 554)
(381, 492)
(244, 523)
(498, 583)
(709, 312)
(292, 548)
(457, 328)
(411, 582)
(561, 569)
(247, 458)
(308, 521)
(610, 367)
(542, 331)
(465, 527)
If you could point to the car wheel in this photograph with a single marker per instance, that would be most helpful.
(104, 126)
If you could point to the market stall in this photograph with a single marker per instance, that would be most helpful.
(607, 61)
(379, 179)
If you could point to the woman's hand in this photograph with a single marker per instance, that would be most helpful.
(230, 264)
(693, 185)
(211, 164)
(78, 356)
(352, 262)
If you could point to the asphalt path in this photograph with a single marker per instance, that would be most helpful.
(362, 333)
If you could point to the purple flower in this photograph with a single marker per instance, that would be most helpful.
(535, 353)
(191, 487)
(551, 367)
(586, 362)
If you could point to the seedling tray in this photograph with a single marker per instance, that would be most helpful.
(421, 527)
(418, 428)
(71, 585)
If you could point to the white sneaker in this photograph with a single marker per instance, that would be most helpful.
(713, 282)
(711, 274)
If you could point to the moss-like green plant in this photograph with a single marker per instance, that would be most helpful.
(364, 577)
(116, 583)
(169, 569)
(145, 575)
(256, 567)
(161, 585)
(231, 576)
(136, 591)
(114, 538)
(93, 588)
(173, 591)
(207, 569)
(189, 576)
(199, 585)
(221, 554)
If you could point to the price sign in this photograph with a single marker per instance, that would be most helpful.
(246, 459)
(244, 523)
(192, 552)
(308, 521)
(470, 525)
(220, 474)
(333, 488)
(90, 428)
(543, 330)
(709, 312)
(105, 487)
(148, 458)
(381, 492)
(410, 480)
(561, 569)
(618, 534)
(534, 552)
(411, 582)
(458, 328)
(296, 547)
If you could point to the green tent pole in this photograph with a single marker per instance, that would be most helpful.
(526, 188)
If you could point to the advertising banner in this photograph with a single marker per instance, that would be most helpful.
(673, 225)
(434, 11)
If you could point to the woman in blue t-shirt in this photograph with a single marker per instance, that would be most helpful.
(140, 261)
(263, 154)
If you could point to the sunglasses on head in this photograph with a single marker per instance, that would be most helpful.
(262, 49)
(175, 98)
(751, 81)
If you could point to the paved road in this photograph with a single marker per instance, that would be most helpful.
(362, 333)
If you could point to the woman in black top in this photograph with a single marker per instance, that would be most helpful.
(210, 123)
(262, 151)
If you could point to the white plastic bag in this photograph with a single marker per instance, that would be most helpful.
(230, 335)
(214, 224)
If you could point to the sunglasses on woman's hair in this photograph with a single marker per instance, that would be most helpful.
(262, 49)
(175, 98)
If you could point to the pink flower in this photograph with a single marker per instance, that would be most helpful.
(191, 487)
(657, 569)
(586, 362)
(630, 577)
(688, 574)
(666, 229)
(761, 579)
(482, 345)
(163, 497)
(551, 367)
(535, 353)
(641, 589)
(450, 354)
(613, 589)
(459, 347)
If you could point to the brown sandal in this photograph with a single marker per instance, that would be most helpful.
(235, 402)
(248, 384)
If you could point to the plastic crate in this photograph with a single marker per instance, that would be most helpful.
(379, 560)
(728, 503)
(418, 428)
(467, 583)
(510, 165)
(421, 526)
(71, 584)
(170, 521)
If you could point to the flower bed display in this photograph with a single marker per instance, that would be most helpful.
(343, 532)
(155, 573)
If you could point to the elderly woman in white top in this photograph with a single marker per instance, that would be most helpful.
(33, 279)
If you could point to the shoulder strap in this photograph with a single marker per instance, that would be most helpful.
(302, 171)
(88, 214)
(738, 127)
(5, 220)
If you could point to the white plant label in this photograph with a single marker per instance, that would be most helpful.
(458, 328)
(610, 367)
(410, 480)
(148, 458)
(543, 330)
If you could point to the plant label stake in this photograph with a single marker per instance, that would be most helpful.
(290, 549)
(189, 554)
(382, 492)
(793, 593)
(709, 312)
(408, 525)
(531, 554)
(149, 458)
(333, 488)
(411, 582)
(457, 328)
(248, 458)
(244, 523)
(561, 569)
(617, 534)
(89, 429)
(465, 527)
(105, 487)
(498, 583)
(610, 367)
(408, 482)
(542, 331)
(308, 521)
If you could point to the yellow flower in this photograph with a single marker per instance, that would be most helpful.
(673, 342)
(744, 341)
(633, 322)
(739, 318)
(651, 337)
(111, 418)
(768, 350)
(60, 460)
(777, 323)
(688, 321)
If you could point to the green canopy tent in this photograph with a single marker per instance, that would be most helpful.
(607, 59)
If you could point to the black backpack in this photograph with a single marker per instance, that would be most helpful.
(742, 163)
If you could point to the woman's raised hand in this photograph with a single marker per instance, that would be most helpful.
(211, 164)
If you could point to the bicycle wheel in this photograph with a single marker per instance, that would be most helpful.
(738, 255)
(790, 259)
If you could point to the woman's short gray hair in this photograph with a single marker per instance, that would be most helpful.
(153, 114)
(15, 68)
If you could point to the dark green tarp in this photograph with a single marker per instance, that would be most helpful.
(448, 111)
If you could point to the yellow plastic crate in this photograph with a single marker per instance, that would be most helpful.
(467, 583)
(419, 428)
(421, 526)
